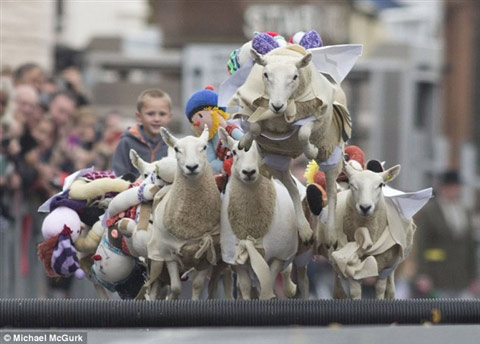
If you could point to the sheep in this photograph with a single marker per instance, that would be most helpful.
(186, 221)
(374, 237)
(257, 218)
(292, 109)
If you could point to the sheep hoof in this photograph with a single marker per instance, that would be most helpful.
(306, 235)
(311, 152)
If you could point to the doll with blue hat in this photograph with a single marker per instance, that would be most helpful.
(202, 108)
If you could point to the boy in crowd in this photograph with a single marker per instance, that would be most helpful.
(154, 110)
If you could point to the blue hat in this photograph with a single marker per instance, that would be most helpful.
(200, 100)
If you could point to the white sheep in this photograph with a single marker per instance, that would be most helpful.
(257, 223)
(186, 220)
(374, 237)
(292, 109)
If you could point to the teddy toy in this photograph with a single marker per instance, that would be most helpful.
(202, 109)
(60, 229)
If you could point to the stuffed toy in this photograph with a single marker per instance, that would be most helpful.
(264, 42)
(202, 109)
(60, 230)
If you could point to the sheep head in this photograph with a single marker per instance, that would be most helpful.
(281, 78)
(246, 164)
(190, 152)
(366, 187)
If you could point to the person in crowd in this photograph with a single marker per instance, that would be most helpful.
(154, 110)
(112, 130)
(446, 240)
(29, 74)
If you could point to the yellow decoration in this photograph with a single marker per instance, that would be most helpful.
(310, 171)
(435, 255)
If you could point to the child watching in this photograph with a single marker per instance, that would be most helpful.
(154, 110)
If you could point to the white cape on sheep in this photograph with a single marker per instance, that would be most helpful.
(408, 203)
(335, 60)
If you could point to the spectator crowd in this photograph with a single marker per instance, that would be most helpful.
(48, 129)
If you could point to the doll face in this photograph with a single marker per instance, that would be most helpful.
(199, 119)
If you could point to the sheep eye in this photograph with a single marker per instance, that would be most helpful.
(145, 176)
(200, 115)
(234, 152)
(265, 75)
(295, 77)
(176, 149)
(381, 185)
(205, 147)
(352, 186)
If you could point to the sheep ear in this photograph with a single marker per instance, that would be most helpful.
(134, 158)
(391, 173)
(258, 58)
(204, 135)
(227, 140)
(304, 61)
(167, 137)
(349, 170)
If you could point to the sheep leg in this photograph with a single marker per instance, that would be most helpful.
(227, 279)
(175, 284)
(247, 139)
(214, 277)
(310, 151)
(275, 268)
(338, 291)
(302, 281)
(331, 176)
(154, 272)
(304, 230)
(390, 291)
(244, 282)
(198, 281)
(355, 289)
(380, 287)
(289, 288)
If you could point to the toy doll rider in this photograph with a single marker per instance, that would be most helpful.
(264, 42)
(202, 108)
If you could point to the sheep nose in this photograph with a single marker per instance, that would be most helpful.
(365, 208)
(192, 168)
(277, 108)
(249, 174)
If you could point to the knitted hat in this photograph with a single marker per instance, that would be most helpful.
(308, 40)
(200, 100)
